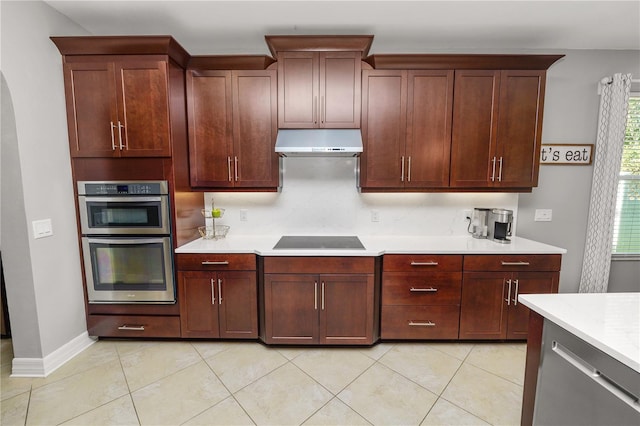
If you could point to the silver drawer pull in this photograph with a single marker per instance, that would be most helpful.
(424, 263)
(215, 262)
(428, 290)
(131, 327)
(515, 263)
(422, 324)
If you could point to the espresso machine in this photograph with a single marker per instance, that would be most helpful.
(479, 225)
(499, 228)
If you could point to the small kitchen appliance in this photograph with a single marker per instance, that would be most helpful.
(479, 225)
(500, 222)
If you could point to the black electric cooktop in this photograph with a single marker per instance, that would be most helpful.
(319, 242)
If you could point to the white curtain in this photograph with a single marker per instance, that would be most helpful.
(614, 100)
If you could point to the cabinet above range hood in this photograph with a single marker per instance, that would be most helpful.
(319, 142)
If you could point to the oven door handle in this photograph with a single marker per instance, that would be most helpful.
(136, 240)
(118, 199)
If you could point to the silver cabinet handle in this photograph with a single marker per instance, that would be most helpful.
(219, 291)
(323, 295)
(409, 170)
(515, 263)
(215, 262)
(508, 299)
(422, 324)
(235, 166)
(120, 127)
(493, 172)
(213, 292)
(315, 295)
(402, 169)
(315, 110)
(113, 139)
(131, 327)
(323, 108)
(500, 171)
(427, 290)
(229, 167)
(424, 263)
(515, 296)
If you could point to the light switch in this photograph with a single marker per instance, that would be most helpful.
(543, 215)
(42, 228)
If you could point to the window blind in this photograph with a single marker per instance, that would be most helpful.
(626, 230)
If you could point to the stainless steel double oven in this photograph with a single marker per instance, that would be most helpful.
(126, 241)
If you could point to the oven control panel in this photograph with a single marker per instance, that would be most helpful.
(123, 188)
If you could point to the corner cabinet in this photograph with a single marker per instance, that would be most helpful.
(319, 90)
(232, 116)
(218, 295)
(497, 125)
(406, 129)
(319, 300)
(490, 288)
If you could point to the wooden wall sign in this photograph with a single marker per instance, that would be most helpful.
(566, 154)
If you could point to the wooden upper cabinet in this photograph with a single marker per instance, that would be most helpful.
(406, 128)
(497, 123)
(117, 107)
(232, 128)
(319, 89)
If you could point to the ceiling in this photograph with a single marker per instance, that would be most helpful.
(239, 27)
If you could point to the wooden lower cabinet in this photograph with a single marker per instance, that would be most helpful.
(490, 307)
(215, 300)
(318, 308)
(421, 296)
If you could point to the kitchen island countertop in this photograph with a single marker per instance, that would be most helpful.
(374, 246)
(607, 321)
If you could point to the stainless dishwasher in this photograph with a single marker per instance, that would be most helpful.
(580, 385)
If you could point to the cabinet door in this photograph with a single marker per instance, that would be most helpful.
(428, 144)
(291, 303)
(519, 128)
(143, 108)
(298, 90)
(198, 304)
(527, 283)
(340, 85)
(255, 162)
(91, 108)
(209, 108)
(384, 119)
(483, 309)
(238, 304)
(346, 309)
(475, 106)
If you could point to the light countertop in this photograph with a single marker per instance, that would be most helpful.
(608, 321)
(374, 246)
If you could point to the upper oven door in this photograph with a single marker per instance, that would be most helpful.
(120, 215)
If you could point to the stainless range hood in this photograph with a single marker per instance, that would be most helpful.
(319, 142)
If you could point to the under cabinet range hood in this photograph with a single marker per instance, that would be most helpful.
(319, 142)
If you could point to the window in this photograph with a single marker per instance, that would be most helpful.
(626, 231)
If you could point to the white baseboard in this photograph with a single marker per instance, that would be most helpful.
(42, 367)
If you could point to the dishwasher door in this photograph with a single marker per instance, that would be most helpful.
(580, 385)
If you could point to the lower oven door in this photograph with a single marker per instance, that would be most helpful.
(129, 269)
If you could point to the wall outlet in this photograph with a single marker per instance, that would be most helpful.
(244, 215)
(543, 215)
(42, 228)
(467, 214)
(375, 216)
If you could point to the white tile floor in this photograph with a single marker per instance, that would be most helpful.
(246, 383)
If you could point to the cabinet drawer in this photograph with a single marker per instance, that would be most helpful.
(319, 265)
(513, 262)
(415, 288)
(420, 322)
(133, 326)
(215, 262)
(421, 262)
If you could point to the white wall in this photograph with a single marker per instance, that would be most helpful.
(571, 116)
(44, 285)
